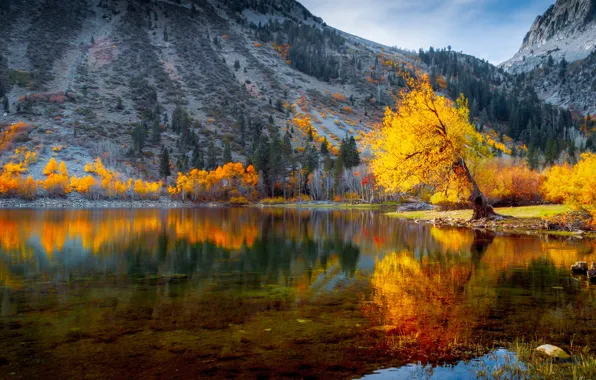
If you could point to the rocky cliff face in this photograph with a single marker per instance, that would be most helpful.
(563, 19)
(566, 30)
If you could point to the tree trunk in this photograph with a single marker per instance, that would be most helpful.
(479, 203)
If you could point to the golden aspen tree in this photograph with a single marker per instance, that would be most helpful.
(57, 182)
(427, 140)
(51, 167)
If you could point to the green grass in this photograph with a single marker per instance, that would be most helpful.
(528, 212)
(532, 365)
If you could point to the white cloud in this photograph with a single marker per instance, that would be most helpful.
(488, 29)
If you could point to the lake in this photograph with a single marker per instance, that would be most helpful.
(273, 293)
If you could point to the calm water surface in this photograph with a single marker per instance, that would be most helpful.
(251, 293)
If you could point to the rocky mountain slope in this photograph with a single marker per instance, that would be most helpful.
(557, 55)
(566, 30)
(214, 80)
(86, 73)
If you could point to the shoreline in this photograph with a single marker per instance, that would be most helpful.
(526, 220)
(75, 201)
(79, 203)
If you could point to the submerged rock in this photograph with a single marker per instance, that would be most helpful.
(580, 267)
(553, 352)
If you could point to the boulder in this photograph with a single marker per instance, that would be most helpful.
(419, 206)
(580, 267)
(553, 352)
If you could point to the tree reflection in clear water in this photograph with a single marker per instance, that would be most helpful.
(218, 292)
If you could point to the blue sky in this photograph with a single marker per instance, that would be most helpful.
(489, 29)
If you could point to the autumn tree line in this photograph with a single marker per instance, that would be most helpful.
(426, 146)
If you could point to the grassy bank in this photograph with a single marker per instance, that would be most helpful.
(528, 212)
(528, 219)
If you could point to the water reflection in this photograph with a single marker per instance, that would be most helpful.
(224, 292)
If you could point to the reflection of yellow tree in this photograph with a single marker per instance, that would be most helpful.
(422, 299)
(451, 239)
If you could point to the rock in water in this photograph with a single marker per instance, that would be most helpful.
(553, 352)
(580, 267)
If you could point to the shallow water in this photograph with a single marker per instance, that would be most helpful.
(258, 293)
(460, 370)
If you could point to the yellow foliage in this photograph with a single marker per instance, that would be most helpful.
(110, 183)
(62, 169)
(9, 181)
(12, 169)
(422, 140)
(28, 188)
(26, 156)
(10, 134)
(145, 189)
(573, 185)
(218, 184)
(51, 167)
(508, 182)
(82, 185)
(57, 184)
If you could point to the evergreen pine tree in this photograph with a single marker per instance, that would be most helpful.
(139, 135)
(164, 164)
(155, 131)
(211, 156)
(182, 163)
(275, 164)
(227, 154)
(325, 147)
(532, 158)
(198, 160)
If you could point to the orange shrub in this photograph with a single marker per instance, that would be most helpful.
(28, 188)
(339, 97)
(502, 182)
(508, 183)
(51, 167)
(238, 201)
(82, 185)
(57, 183)
(12, 133)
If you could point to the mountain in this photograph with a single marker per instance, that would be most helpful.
(558, 56)
(87, 73)
(212, 80)
(566, 30)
